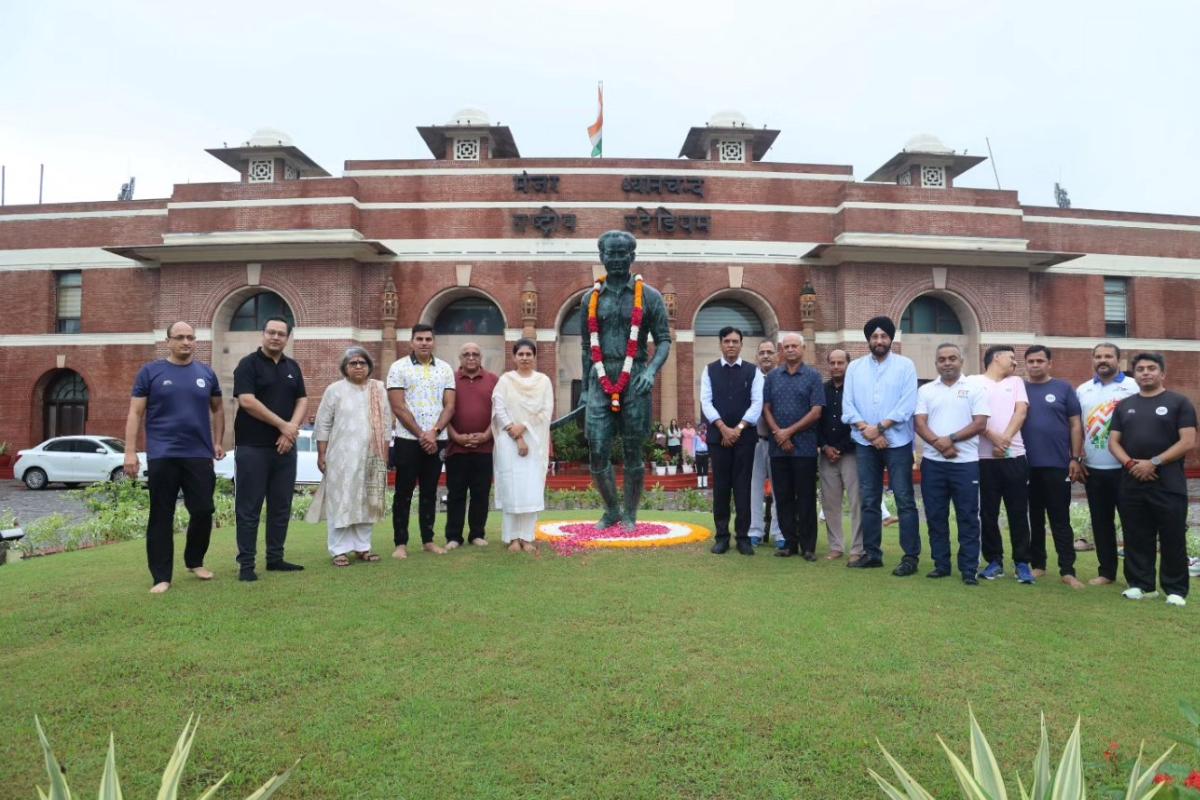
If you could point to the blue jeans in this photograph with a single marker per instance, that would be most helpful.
(941, 483)
(898, 461)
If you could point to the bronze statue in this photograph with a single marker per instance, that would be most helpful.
(617, 373)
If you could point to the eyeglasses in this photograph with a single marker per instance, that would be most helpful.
(356, 363)
(182, 338)
(470, 355)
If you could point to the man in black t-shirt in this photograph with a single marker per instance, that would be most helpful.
(1152, 432)
(272, 402)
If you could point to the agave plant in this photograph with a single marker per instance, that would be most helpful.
(110, 786)
(984, 781)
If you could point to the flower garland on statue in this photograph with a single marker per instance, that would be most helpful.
(614, 390)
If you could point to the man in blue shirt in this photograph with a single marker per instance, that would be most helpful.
(1053, 435)
(793, 398)
(180, 400)
(879, 401)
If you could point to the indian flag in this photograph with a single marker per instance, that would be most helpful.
(596, 129)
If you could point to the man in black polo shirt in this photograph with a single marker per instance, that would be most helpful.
(731, 396)
(272, 403)
(837, 464)
(1151, 435)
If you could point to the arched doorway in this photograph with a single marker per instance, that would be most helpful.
(64, 405)
(569, 384)
(470, 319)
(237, 332)
(755, 324)
(931, 320)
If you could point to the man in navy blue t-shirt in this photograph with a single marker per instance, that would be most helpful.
(1053, 435)
(180, 400)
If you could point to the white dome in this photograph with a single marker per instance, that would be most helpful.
(269, 137)
(728, 119)
(469, 116)
(926, 143)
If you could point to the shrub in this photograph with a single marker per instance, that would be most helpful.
(569, 443)
(110, 785)
(984, 780)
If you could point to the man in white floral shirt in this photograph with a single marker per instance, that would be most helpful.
(421, 392)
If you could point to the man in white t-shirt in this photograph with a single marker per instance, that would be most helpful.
(951, 413)
(421, 392)
(1098, 399)
(1003, 468)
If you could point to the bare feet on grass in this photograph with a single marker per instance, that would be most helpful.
(430, 547)
(1072, 581)
(1100, 580)
(159, 588)
(400, 552)
(203, 573)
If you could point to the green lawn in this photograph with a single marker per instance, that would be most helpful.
(625, 674)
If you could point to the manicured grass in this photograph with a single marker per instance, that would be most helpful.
(665, 673)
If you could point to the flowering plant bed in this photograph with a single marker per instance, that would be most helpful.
(568, 538)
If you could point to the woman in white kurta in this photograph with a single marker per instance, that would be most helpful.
(522, 404)
(351, 430)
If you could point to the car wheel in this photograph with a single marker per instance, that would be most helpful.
(35, 479)
(117, 474)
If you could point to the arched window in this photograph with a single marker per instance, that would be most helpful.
(571, 321)
(716, 315)
(470, 316)
(64, 411)
(253, 314)
(928, 314)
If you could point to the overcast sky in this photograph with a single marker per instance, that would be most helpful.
(1101, 96)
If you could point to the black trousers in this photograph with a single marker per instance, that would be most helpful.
(165, 477)
(263, 474)
(731, 470)
(1050, 496)
(1154, 519)
(702, 463)
(467, 473)
(794, 488)
(1103, 487)
(1007, 480)
(415, 468)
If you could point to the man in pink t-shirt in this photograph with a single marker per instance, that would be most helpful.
(1003, 468)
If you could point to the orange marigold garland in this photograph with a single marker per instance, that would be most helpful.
(614, 390)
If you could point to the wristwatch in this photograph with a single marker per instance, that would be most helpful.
(1077, 459)
(953, 437)
(741, 426)
(1157, 461)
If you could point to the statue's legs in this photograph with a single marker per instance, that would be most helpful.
(601, 468)
(635, 480)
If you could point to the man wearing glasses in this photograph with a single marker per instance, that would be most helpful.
(272, 402)
(469, 455)
(180, 400)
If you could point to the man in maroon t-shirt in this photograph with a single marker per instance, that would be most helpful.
(469, 456)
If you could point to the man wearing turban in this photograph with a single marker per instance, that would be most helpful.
(879, 399)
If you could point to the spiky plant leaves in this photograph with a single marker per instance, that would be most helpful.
(1068, 778)
(983, 762)
(58, 782)
(971, 790)
(110, 785)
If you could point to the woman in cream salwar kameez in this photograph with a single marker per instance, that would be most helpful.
(351, 430)
(522, 404)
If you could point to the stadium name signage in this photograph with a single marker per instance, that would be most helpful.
(547, 221)
(660, 184)
(663, 221)
(535, 184)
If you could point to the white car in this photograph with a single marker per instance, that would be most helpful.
(306, 461)
(73, 460)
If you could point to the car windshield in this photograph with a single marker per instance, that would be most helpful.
(115, 444)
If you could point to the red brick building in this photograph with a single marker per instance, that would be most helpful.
(488, 246)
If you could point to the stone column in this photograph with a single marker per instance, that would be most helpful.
(529, 309)
(808, 313)
(391, 303)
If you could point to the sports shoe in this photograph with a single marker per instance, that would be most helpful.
(1194, 567)
(756, 541)
(1134, 593)
(781, 544)
(1024, 573)
(1176, 600)
(993, 570)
